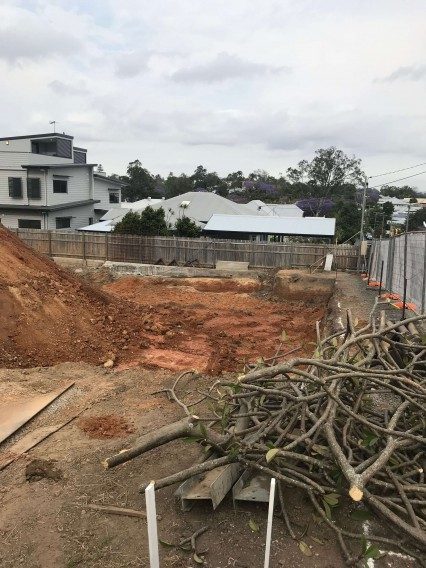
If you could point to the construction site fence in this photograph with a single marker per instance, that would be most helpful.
(401, 260)
(204, 252)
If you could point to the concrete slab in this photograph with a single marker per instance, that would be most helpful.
(233, 266)
(136, 269)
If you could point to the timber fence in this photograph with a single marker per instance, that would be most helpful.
(400, 262)
(203, 252)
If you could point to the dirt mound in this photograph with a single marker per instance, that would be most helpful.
(108, 426)
(48, 316)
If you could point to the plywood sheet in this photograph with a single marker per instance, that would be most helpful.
(15, 415)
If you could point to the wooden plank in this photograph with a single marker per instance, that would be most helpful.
(14, 416)
(116, 510)
(26, 443)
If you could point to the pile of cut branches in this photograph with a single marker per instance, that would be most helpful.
(347, 423)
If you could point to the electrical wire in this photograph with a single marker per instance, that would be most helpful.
(395, 180)
(396, 171)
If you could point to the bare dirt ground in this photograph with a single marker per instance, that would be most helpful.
(153, 328)
(213, 324)
(46, 523)
(49, 316)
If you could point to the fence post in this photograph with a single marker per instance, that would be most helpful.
(106, 246)
(49, 236)
(84, 246)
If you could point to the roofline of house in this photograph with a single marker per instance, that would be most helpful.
(100, 176)
(63, 165)
(48, 135)
(80, 149)
(47, 208)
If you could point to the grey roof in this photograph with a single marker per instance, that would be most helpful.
(117, 213)
(199, 206)
(113, 180)
(58, 207)
(100, 227)
(48, 135)
(278, 209)
(308, 226)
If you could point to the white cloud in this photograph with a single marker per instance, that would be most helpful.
(224, 66)
(178, 82)
(407, 72)
(68, 89)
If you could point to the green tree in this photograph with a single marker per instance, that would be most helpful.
(348, 220)
(139, 183)
(417, 220)
(235, 180)
(399, 192)
(150, 222)
(330, 173)
(176, 185)
(185, 227)
(209, 181)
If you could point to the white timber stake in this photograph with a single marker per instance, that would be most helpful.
(269, 526)
(151, 514)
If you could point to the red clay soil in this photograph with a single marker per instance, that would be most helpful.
(214, 324)
(48, 316)
(108, 426)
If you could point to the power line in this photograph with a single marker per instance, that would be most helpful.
(396, 171)
(395, 180)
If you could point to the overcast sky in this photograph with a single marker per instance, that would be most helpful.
(230, 84)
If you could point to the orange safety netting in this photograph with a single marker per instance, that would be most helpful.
(408, 306)
(389, 296)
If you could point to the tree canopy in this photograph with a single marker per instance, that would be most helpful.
(150, 222)
(331, 184)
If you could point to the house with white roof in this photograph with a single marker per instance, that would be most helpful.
(47, 183)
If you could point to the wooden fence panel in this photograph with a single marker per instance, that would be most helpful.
(151, 250)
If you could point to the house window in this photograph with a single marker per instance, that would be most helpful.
(90, 220)
(29, 224)
(114, 197)
(60, 186)
(63, 222)
(33, 188)
(15, 188)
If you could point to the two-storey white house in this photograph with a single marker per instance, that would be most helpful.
(46, 183)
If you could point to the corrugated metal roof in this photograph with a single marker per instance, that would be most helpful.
(101, 227)
(308, 226)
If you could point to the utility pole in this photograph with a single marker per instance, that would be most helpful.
(364, 200)
(361, 232)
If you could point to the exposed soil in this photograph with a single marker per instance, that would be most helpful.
(109, 426)
(47, 524)
(49, 316)
(151, 329)
(215, 324)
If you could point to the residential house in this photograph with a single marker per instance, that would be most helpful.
(47, 183)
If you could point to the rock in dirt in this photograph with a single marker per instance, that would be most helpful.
(42, 469)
